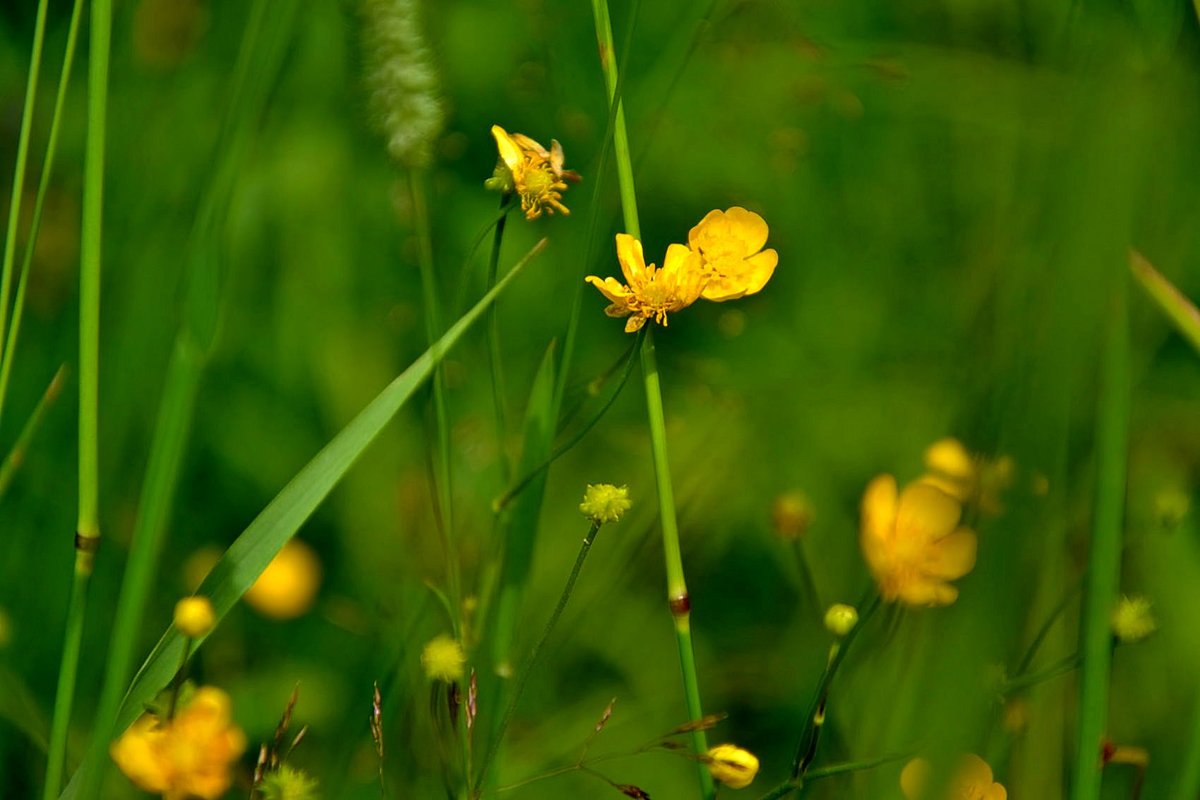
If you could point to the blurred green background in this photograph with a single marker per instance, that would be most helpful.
(952, 188)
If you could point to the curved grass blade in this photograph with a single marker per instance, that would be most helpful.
(249, 555)
(17, 455)
(1182, 313)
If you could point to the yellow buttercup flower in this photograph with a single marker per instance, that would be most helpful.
(729, 244)
(185, 757)
(732, 765)
(288, 586)
(650, 293)
(912, 542)
(968, 478)
(534, 173)
(972, 781)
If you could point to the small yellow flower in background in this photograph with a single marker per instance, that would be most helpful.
(840, 619)
(791, 514)
(1171, 506)
(729, 244)
(650, 293)
(968, 478)
(603, 502)
(288, 586)
(732, 766)
(194, 616)
(972, 781)
(912, 543)
(1132, 620)
(185, 757)
(534, 173)
(288, 783)
(443, 659)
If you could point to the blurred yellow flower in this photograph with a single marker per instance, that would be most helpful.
(1132, 620)
(912, 542)
(603, 502)
(968, 478)
(791, 514)
(288, 586)
(534, 173)
(972, 781)
(185, 757)
(443, 659)
(650, 293)
(732, 765)
(194, 616)
(729, 244)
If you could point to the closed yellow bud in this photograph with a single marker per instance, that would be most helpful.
(840, 619)
(732, 766)
(194, 616)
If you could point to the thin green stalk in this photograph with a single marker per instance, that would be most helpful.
(501, 502)
(531, 659)
(1061, 667)
(17, 455)
(1104, 558)
(805, 749)
(677, 593)
(1187, 785)
(493, 336)
(791, 785)
(87, 529)
(14, 328)
(417, 184)
(1047, 626)
(18, 187)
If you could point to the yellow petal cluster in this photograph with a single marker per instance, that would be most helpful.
(722, 261)
(912, 542)
(972, 781)
(288, 586)
(732, 766)
(534, 173)
(650, 293)
(185, 757)
(730, 246)
(603, 502)
(443, 659)
(1132, 620)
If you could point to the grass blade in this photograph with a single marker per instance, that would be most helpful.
(249, 555)
(1182, 313)
(17, 455)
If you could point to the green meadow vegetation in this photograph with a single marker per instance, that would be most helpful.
(533, 399)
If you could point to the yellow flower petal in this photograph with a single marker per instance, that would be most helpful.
(631, 258)
(914, 778)
(879, 507)
(918, 591)
(747, 227)
(952, 556)
(926, 514)
(510, 153)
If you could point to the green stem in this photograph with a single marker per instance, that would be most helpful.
(531, 659)
(1044, 630)
(806, 747)
(501, 502)
(16, 456)
(1104, 558)
(14, 329)
(418, 189)
(18, 186)
(1187, 785)
(1182, 313)
(793, 784)
(1022, 681)
(677, 594)
(493, 336)
(677, 591)
(87, 537)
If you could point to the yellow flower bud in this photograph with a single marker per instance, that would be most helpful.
(1171, 507)
(1132, 620)
(443, 659)
(732, 765)
(194, 616)
(603, 502)
(840, 619)
(791, 514)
